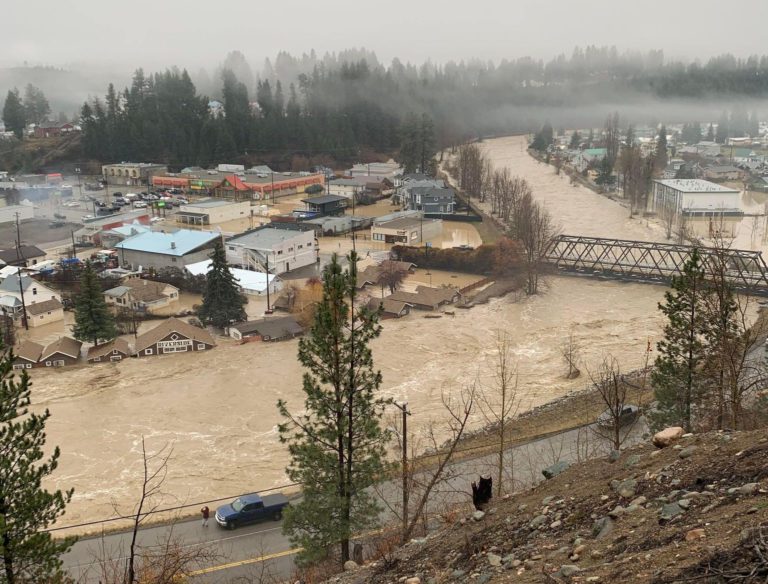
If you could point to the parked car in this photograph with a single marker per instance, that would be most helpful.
(251, 509)
(629, 414)
(71, 204)
(139, 205)
(55, 224)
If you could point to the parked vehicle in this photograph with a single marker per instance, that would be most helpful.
(55, 224)
(71, 204)
(60, 217)
(628, 415)
(251, 509)
(139, 205)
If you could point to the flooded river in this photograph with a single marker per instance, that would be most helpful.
(217, 409)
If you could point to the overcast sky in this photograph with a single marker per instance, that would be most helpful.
(193, 33)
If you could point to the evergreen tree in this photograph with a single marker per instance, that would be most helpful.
(427, 146)
(660, 156)
(629, 139)
(710, 133)
(36, 105)
(410, 144)
(678, 378)
(28, 554)
(337, 445)
(223, 303)
(14, 116)
(575, 140)
(93, 320)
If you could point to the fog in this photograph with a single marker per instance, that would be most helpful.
(190, 34)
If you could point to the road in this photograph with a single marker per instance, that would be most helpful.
(251, 552)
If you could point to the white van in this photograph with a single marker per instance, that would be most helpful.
(131, 196)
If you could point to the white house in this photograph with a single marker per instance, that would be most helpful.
(250, 282)
(707, 208)
(34, 292)
(272, 250)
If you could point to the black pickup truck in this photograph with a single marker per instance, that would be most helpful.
(251, 509)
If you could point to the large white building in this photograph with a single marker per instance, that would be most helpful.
(283, 250)
(707, 208)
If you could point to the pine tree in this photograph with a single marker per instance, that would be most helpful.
(575, 140)
(427, 145)
(678, 377)
(93, 320)
(14, 117)
(660, 157)
(710, 133)
(36, 104)
(223, 303)
(27, 553)
(337, 445)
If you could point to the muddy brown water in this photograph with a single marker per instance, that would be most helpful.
(217, 409)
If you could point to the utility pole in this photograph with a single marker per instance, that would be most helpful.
(23, 304)
(267, 256)
(74, 247)
(404, 409)
(18, 237)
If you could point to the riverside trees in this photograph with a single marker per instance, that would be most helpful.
(223, 303)
(337, 444)
(27, 553)
(93, 320)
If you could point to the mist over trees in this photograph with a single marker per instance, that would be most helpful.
(350, 106)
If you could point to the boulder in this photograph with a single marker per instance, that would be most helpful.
(555, 469)
(350, 566)
(687, 452)
(627, 488)
(670, 511)
(667, 436)
(478, 515)
(695, 534)
(494, 560)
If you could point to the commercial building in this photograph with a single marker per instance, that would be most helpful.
(251, 282)
(408, 230)
(325, 205)
(157, 249)
(93, 229)
(252, 184)
(111, 352)
(390, 169)
(270, 250)
(132, 173)
(210, 211)
(173, 336)
(708, 209)
(268, 329)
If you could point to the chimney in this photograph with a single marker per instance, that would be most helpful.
(173, 245)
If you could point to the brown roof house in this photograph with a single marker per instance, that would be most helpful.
(111, 352)
(427, 298)
(173, 336)
(65, 351)
(146, 296)
(27, 355)
(45, 312)
(267, 329)
(390, 308)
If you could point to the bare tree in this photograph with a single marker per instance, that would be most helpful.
(613, 424)
(498, 400)
(570, 349)
(391, 275)
(667, 212)
(534, 228)
(151, 488)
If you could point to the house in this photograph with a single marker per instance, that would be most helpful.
(325, 205)
(271, 250)
(111, 352)
(583, 159)
(427, 298)
(409, 230)
(705, 207)
(25, 255)
(49, 129)
(94, 230)
(371, 275)
(65, 351)
(132, 173)
(42, 313)
(144, 296)
(156, 249)
(376, 186)
(431, 200)
(173, 336)
(724, 172)
(268, 329)
(338, 225)
(390, 308)
(708, 149)
(27, 355)
(250, 282)
(12, 288)
(209, 211)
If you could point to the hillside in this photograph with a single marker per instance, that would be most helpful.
(692, 512)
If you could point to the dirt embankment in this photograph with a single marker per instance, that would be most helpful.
(692, 512)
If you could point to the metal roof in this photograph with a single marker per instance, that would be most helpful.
(246, 279)
(323, 199)
(695, 185)
(178, 243)
(264, 238)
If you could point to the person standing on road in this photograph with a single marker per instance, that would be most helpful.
(206, 514)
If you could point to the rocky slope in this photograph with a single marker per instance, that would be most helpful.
(694, 511)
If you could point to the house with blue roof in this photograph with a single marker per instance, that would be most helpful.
(158, 249)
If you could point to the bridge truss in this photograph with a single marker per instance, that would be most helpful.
(654, 262)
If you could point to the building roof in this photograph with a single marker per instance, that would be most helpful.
(136, 164)
(210, 204)
(324, 199)
(46, 306)
(722, 168)
(24, 252)
(130, 230)
(29, 351)
(388, 305)
(170, 326)
(264, 238)
(128, 217)
(403, 223)
(271, 327)
(11, 283)
(141, 290)
(178, 243)
(246, 279)
(105, 349)
(695, 185)
(426, 296)
(65, 345)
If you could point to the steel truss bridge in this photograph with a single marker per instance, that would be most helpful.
(645, 261)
